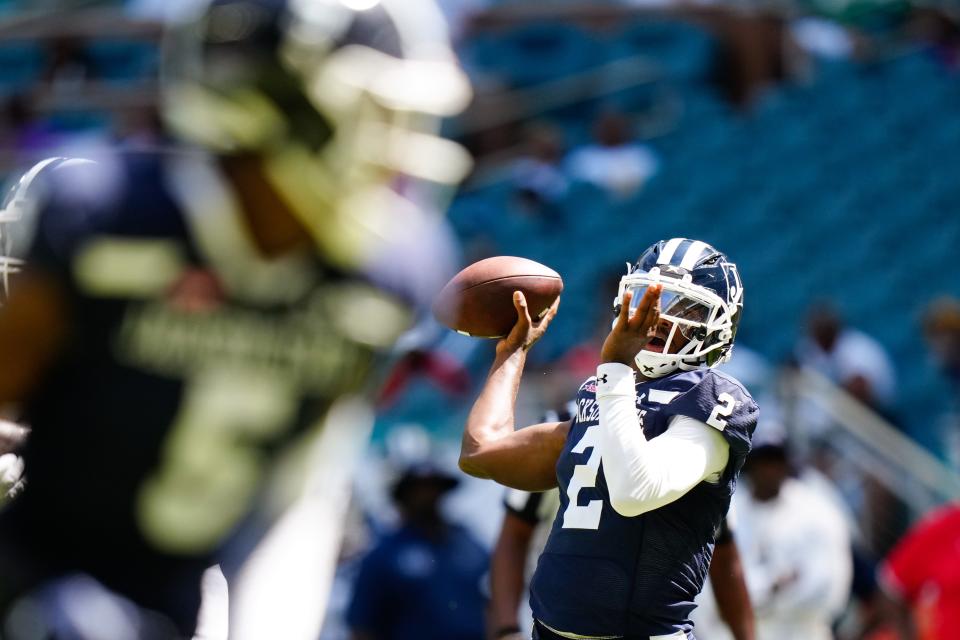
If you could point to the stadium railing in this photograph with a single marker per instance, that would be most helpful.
(868, 449)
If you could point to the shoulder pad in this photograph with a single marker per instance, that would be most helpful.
(589, 386)
(60, 202)
(721, 402)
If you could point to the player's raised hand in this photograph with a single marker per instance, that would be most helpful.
(526, 331)
(631, 333)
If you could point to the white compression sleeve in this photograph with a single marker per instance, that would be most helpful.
(645, 475)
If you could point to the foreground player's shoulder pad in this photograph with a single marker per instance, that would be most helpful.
(721, 402)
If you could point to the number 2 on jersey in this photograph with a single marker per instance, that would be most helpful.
(584, 476)
(725, 408)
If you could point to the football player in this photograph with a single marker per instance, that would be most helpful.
(647, 464)
(191, 323)
(523, 535)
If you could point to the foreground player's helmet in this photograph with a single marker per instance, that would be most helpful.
(17, 210)
(702, 300)
(337, 102)
(9, 265)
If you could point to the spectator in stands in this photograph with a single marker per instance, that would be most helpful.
(795, 547)
(918, 579)
(615, 161)
(850, 358)
(539, 179)
(22, 131)
(941, 324)
(937, 28)
(68, 64)
(941, 328)
(422, 582)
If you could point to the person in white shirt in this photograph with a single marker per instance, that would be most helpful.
(850, 358)
(795, 547)
(615, 162)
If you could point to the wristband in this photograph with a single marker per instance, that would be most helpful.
(615, 379)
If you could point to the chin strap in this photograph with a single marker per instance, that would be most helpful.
(657, 365)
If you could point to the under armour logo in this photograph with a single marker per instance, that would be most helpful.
(647, 369)
(603, 378)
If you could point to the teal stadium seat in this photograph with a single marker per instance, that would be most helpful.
(845, 188)
(683, 50)
(20, 65)
(533, 53)
(124, 60)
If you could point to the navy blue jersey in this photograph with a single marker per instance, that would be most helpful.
(190, 361)
(603, 574)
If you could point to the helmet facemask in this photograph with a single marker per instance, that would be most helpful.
(696, 326)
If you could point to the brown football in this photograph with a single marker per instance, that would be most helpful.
(478, 301)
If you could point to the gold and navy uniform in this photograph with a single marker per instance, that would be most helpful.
(190, 363)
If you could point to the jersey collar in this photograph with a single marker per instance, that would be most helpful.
(213, 214)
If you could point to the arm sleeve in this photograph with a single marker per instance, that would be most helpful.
(644, 475)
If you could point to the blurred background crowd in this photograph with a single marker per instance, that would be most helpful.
(815, 142)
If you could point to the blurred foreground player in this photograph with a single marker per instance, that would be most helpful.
(192, 323)
(632, 541)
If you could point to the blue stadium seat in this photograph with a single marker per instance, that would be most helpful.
(20, 65)
(123, 60)
(811, 194)
(534, 53)
(683, 50)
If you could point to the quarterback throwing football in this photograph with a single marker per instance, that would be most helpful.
(647, 465)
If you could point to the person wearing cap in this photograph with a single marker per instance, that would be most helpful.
(423, 581)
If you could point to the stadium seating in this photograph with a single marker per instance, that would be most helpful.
(843, 188)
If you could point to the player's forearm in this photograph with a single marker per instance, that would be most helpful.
(491, 417)
(900, 614)
(730, 591)
(506, 573)
(893, 605)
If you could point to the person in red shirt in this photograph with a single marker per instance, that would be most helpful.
(920, 578)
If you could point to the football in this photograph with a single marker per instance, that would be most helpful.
(478, 301)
